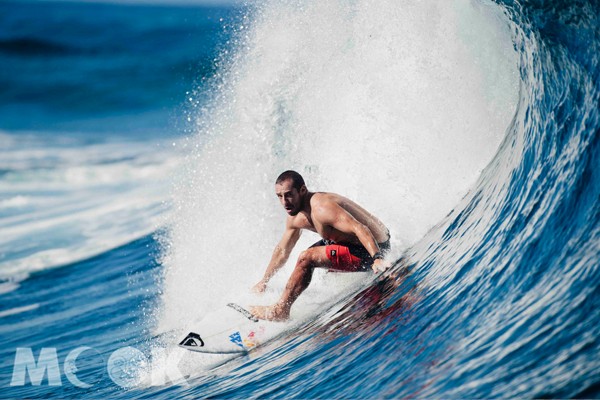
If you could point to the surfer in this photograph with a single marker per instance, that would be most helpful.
(353, 240)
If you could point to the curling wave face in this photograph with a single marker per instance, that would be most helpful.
(499, 297)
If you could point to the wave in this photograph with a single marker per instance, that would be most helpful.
(399, 120)
(415, 112)
(63, 200)
(507, 281)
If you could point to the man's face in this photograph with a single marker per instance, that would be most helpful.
(290, 198)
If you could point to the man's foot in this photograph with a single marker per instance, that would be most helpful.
(270, 313)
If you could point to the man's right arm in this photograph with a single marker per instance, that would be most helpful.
(279, 258)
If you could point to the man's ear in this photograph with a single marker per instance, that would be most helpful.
(303, 190)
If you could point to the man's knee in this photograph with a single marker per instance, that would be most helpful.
(310, 257)
(304, 257)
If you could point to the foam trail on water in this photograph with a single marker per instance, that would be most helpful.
(398, 106)
(63, 199)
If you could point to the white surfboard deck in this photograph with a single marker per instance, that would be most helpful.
(230, 329)
(233, 329)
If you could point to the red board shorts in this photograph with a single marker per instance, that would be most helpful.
(350, 257)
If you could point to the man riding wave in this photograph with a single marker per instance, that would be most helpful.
(353, 240)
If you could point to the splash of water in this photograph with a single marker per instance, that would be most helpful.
(397, 107)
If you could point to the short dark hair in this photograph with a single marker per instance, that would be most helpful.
(297, 180)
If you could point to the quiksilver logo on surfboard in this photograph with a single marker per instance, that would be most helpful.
(192, 340)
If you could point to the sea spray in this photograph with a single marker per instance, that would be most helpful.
(399, 107)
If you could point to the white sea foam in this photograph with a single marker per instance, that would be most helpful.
(18, 310)
(63, 200)
(396, 105)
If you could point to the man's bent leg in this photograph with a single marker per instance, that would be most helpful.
(314, 257)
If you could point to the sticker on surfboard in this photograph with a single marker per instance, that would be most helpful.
(230, 329)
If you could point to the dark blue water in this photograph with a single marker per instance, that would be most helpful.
(500, 299)
(75, 66)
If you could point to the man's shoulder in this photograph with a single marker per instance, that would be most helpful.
(326, 199)
(325, 205)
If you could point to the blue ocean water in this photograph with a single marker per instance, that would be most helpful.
(138, 145)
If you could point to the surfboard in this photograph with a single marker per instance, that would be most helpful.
(230, 329)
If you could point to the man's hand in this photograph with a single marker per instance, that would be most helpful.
(380, 265)
(260, 287)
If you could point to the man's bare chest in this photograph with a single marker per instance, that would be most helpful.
(326, 231)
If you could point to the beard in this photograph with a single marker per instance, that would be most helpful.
(296, 210)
